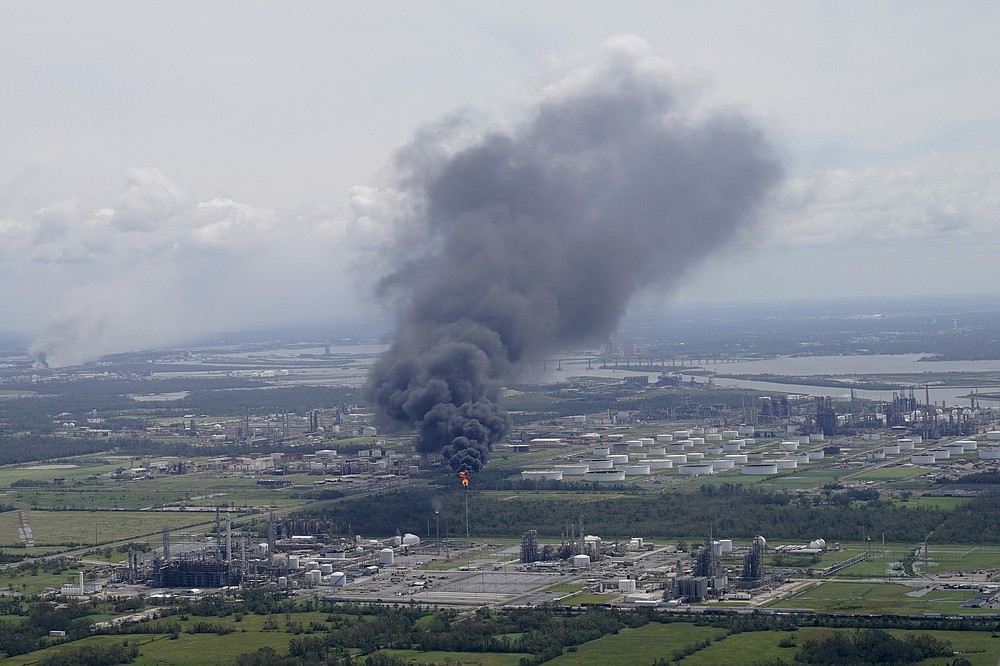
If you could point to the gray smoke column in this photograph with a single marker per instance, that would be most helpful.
(533, 237)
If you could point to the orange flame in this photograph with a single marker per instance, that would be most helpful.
(466, 478)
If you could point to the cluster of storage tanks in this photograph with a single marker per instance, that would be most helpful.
(719, 451)
(314, 571)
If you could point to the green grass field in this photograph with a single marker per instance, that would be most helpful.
(638, 646)
(882, 598)
(63, 528)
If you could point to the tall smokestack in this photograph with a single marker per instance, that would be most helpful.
(518, 241)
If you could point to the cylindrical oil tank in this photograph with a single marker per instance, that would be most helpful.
(786, 463)
(801, 458)
(891, 449)
(618, 458)
(326, 568)
(541, 475)
(695, 469)
(923, 458)
(574, 470)
(815, 455)
(722, 465)
(660, 463)
(788, 446)
(634, 443)
(993, 435)
(730, 434)
(713, 437)
(601, 451)
(991, 453)
(581, 561)
(682, 434)
(626, 585)
(727, 545)
(816, 437)
(604, 475)
(664, 438)
(713, 451)
(597, 465)
(658, 451)
(698, 441)
(694, 455)
(755, 469)
(967, 444)
(647, 441)
(737, 458)
(636, 470)
(676, 458)
(338, 579)
(676, 447)
(282, 582)
(293, 561)
(386, 557)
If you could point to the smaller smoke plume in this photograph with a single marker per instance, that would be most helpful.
(533, 238)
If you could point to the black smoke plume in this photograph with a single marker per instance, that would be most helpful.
(532, 238)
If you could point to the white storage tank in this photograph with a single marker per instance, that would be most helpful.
(746, 431)
(815, 455)
(676, 458)
(676, 447)
(313, 577)
(682, 434)
(786, 463)
(923, 458)
(891, 449)
(665, 438)
(636, 470)
(411, 539)
(713, 437)
(788, 446)
(574, 470)
(626, 585)
(733, 445)
(755, 469)
(802, 458)
(604, 475)
(697, 441)
(282, 582)
(658, 451)
(967, 444)
(917, 439)
(875, 456)
(541, 475)
(338, 579)
(293, 561)
(722, 465)
(727, 545)
(581, 561)
(696, 469)
(713, 451)
(993, 435)
(992, 453)
(597, 465)
(941, 454)
(601, 451)
(737, 458)
(694, 455)
(730, 434)
(618, 458)
(635, 457)
(326, 569)
(634, 443)
(660, 463)
(646, 441)
(386, 557)
(816, 437)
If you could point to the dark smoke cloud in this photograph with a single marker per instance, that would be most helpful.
(533, 238)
